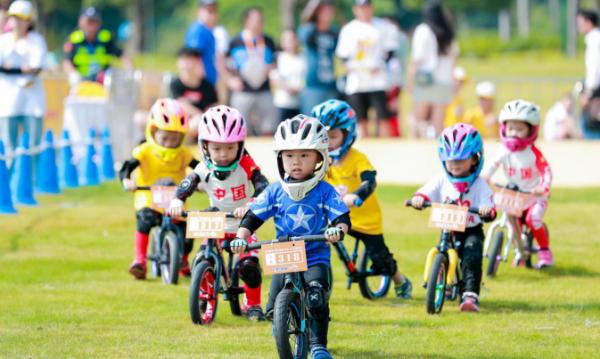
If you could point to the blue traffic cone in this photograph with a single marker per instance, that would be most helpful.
(91, 176)
(22, 179)
(6, 204)
(46, 170)
(108, 167)
(69, 178)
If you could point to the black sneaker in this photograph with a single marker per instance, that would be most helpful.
(255, 314)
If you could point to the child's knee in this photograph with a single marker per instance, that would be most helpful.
(147, 219)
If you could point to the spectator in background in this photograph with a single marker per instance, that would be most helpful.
(191, 88)
(251, 56)
(587, 24)
(483, 117)
(287, 80)
(90, 50)
(4, 4)
(559, 123)
(456, 109)
(365, 47)
(22, 55)
(434, 51)
(202, 36)
(396, 69)
(318, 37)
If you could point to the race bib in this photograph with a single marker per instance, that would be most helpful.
(205, 225)
(162, 196)
(512, 202)
(284, 257)
(448, 217)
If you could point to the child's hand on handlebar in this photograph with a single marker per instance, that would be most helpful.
(238, 245)
(128, 184)
(538, 191)
(417, 202)
(240, 212)
(175, 208)
(485, 211)
(334, 234)
(349, 199)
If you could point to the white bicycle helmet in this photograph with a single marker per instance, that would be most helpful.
(520, 110)
(301, 133)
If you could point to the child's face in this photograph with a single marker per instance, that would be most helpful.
(190, 67)
(336, 139)
(223, 154)
(487, 104)
(300, 164)
(460, 168)
(168, 139)
(518, 129)
(289, 42)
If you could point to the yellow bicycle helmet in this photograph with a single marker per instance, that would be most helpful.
(168, 115)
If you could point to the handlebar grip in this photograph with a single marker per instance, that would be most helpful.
(253, 246)
(358, 202)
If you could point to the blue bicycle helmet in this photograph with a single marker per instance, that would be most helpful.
(337, 114)
(461, 142)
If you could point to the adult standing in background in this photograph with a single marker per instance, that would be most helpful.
(365, 48)
(90, 50)
(251, 56)
(200, 36)
(22, 55)
(318, 38)
(587, 24)
(434, 52)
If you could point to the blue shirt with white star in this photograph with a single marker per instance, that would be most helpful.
(309, 216)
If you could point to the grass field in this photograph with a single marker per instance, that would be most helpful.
(65, 292)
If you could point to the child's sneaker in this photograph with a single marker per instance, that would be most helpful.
(545, 258)
(138, 270)
(470, 302)
(320, 352)
(404, 290)
(255, 313)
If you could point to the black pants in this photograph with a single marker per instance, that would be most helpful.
(470, 251)
(378, 251)
(320, 273)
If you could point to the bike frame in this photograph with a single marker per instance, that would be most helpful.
(515, 233)
(212, 252)
(446, 246)
(295, 282)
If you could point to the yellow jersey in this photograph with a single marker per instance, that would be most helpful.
(455, 111)
(345, 177)
(475, 117)
(153, 168)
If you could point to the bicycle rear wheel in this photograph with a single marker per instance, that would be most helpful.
(436, 286)
(203, 297)
(372, 285)
(155, 252)
(290, 338)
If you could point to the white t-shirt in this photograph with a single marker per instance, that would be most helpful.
(592, 59)
(558, 123)
(291, 69)
(221, 39)
(425, 52)
(440, 189)
(365, 46)
(22, 94)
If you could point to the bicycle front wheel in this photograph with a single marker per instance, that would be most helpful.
(203, 298)
(372, 285)
(290, 338)
(436, 286)
(495, 255)
(170, 258)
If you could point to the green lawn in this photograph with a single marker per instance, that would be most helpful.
(65, 292)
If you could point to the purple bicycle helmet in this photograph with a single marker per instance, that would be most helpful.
(461, 142)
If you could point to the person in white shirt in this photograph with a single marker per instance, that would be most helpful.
(365, 48)
(559, 123)
(287, 79)
(587, 24)
(430, 80)
(22, 55)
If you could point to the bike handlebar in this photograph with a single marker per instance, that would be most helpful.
(512, 187)
(308, 238)
(227, 214)
(474, 210)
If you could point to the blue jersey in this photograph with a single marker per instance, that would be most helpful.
(201, 38)
(311, 215)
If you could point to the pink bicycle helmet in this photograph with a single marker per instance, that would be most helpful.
(222, 124)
